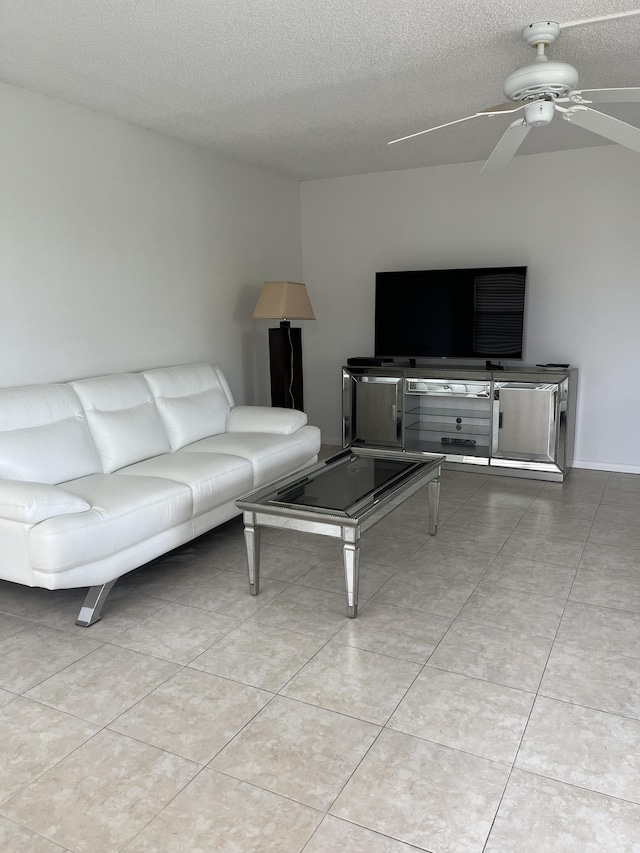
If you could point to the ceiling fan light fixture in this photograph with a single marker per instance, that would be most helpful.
(539, 113)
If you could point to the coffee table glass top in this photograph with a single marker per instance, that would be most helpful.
(346, 484)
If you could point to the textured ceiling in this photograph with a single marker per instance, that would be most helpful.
(312, 88)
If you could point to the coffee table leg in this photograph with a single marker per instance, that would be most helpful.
(252, 541)
(351, 553)
(433, 487)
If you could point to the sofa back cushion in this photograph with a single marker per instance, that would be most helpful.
(44, 436)
(123, 419)
(193, 401)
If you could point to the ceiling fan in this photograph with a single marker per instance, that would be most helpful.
(543, 88)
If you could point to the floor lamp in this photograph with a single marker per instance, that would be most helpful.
(285, 301)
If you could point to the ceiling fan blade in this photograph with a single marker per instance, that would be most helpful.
(605, 125)
(507, 146)
(500, 109)
(630, 95)
(597, 20)
(509, 107)
(429, 129)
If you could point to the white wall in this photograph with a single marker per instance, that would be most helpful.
(573, 217)
(122, 249)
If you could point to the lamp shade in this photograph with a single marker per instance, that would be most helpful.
(284, 300)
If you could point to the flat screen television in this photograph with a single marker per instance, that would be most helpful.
(457, 313)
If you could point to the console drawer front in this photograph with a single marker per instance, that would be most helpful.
(447, 387)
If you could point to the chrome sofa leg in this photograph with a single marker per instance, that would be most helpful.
(92, 605)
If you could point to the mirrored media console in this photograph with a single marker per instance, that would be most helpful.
(512, 421)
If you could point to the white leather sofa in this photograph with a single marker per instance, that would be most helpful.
(99, 476)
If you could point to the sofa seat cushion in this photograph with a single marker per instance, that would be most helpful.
(193, 401)
(124, 511)
(272, 456)
(214, 478)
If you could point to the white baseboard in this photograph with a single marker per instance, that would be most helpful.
(606, 466)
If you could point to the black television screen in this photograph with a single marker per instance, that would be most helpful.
(465, 313)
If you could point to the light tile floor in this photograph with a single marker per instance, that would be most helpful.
(487, 697)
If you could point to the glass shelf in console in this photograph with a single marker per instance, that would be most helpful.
(450, 417)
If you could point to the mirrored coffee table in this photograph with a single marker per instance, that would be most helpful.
(342, 497)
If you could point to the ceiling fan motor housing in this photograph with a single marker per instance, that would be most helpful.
(548, 77)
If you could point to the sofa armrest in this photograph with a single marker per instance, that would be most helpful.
(29, 502)
(265, 419)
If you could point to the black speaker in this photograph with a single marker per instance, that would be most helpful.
(285, 355)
